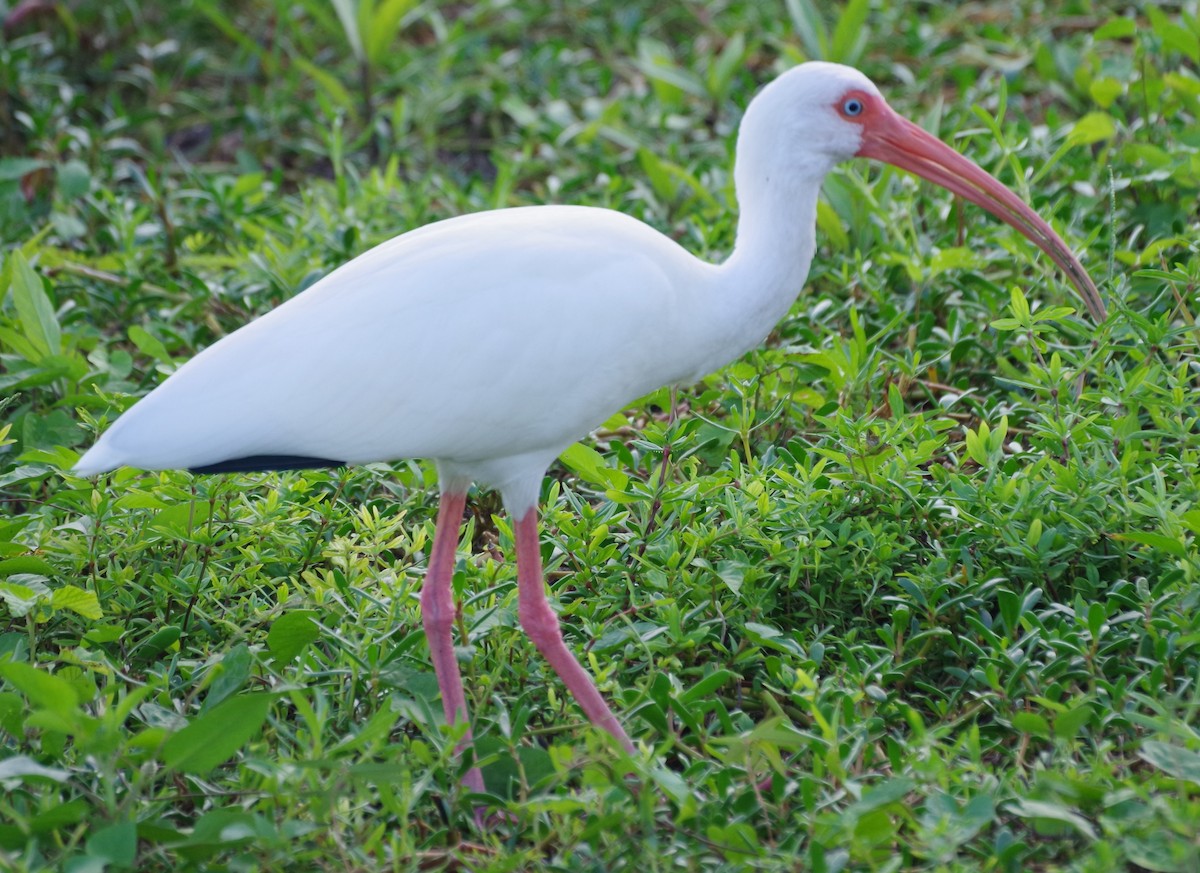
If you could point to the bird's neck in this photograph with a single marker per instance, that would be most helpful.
(775, 241)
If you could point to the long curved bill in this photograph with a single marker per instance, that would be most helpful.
(896, 140)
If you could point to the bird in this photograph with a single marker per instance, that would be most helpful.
(490, 342)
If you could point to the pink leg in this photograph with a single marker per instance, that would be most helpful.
(541, 624)
(437, 613)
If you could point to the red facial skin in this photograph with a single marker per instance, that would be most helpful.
(893, 139)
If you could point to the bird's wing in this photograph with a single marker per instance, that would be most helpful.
(478, 337)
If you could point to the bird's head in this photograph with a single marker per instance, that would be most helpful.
(818, 114)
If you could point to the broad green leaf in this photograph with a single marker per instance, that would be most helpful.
(1067, 725)
(77, 600)
(105, 633)
(116, 844)
(230, 675)
(43, 689)
(590, 466)
(15, 169)
(1116, 28)
(74, 179)
(182, 518)
(159, 642)
(148, 344)
(25, 564)
(17, 342)
(1092, 128)
(1174, 36)
(61, 816)
(34, 309)
(214, 737)
(290, 633)
(885, 793)
(707, 685)
(19, 599)
(1175, 761)
(1105, 90)
(1031, 723)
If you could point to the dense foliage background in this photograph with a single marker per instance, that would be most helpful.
(914, 587)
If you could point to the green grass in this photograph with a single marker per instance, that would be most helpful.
(913, 592)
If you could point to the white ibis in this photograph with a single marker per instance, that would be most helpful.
(491, 342)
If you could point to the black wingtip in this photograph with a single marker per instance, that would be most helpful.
(264, 463)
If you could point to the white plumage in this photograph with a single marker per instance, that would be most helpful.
(489, 343)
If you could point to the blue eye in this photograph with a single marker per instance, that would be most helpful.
(852, 106)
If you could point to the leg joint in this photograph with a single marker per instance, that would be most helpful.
(540, 624)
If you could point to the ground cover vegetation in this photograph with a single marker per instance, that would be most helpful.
(911, 587)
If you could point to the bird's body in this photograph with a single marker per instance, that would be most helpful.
(490, 342)
(353, 369)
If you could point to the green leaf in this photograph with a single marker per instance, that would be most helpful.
(328, 82)
(231, 674)
(159, 642)
(63, 815)
(19, 344)
(885, 793)
(1019, 305)
(182, 518)
(1053, 313)
(725, 67)
(1116, 28)
(290, 633)
(833, 229)
(1171, 545)
(104, 633)
(1105, 90)
(115, 844)
(232, 31)
(850, 33)
(34, 309)
(77, 600)
(43, 689)
(347, 13)
(25, 564)
(1031, 723)
(385, 27)
(1175, 761)
(1067, 725)
(590, 466)
(707, 685)
(1092, 128)
(50, 431)
(19, 599)
(148, 344)
(217, 735)
(21, 766)
(74, 179)
(1174, 36)
(15, 169)
(1042, 812)
(809, 27)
